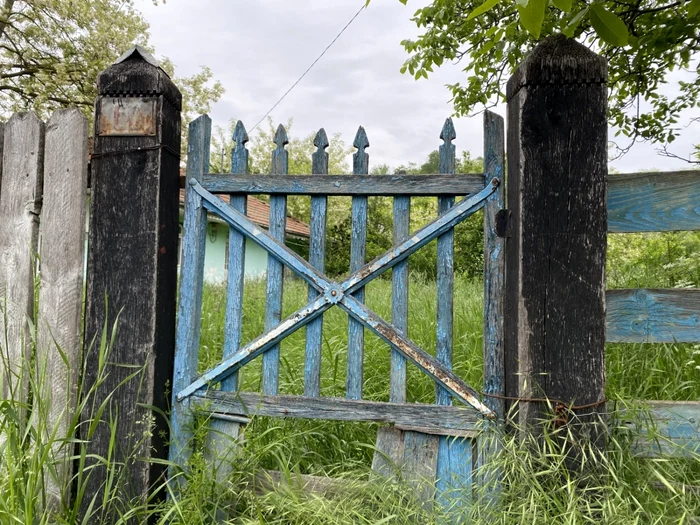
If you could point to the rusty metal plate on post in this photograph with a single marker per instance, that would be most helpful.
(126, 116)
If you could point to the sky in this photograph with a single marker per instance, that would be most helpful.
(258, 48)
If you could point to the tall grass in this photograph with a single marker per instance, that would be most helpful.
(536, 485)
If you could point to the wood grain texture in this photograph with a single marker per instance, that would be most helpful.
(439, 419)
(358, 250)
(399, 300)
(275, 269)
(20, 206)
(390, 442)
(132, 261)
(223, 435)
(189, 322)
(60, 320)
(494, 291)
(653, 316)
(2, 146)
(359, 185)
(555, 258)
(420, 464)
(453, 462)
(668, 429)
(445, 265)
(317, 258)
(454, 475)
(645, 202)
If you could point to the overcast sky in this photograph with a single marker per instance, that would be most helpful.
(258, 48)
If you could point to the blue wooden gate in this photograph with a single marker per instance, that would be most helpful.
(452, 430)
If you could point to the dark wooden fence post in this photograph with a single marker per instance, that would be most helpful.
(132, 263)
(555, 250)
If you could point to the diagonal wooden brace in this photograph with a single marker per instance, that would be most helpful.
(338, 293)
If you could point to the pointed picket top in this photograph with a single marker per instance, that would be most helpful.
(360, 159)
(447, 150)
(280, 156)
(239, 154)
(281, 137)
(448, 131)
(319, 159)
(321, 139)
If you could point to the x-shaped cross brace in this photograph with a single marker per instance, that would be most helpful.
(332, 293)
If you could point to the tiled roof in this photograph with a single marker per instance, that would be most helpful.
(259, 213)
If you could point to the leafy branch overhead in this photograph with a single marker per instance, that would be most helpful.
(51, 52)
(643, 40)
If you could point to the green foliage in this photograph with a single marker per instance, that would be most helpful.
(642, 41)
(648, 260)
(51, 52)
(537, 487)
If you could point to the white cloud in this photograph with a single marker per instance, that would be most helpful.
(257, 49)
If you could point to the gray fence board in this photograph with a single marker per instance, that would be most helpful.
(20, 205)
(59, 321)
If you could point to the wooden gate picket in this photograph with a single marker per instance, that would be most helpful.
(425, 442)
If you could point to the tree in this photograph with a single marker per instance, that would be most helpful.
(643, 40)
(51, 52)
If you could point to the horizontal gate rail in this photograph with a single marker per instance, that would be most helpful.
(434, 419)
(367, 185)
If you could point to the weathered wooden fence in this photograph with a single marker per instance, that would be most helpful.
(547, 315)
(43, 197)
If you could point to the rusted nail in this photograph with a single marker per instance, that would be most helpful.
(495, 181)
(334, 293)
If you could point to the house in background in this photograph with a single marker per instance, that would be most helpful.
(216, 253)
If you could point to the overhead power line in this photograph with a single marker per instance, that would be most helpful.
(309, 68)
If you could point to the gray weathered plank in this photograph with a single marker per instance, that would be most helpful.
(360, 185)
(358, 250)
(2, 145)
(643, 202)
(60, 320)
(439, 419)
(317, 258)
(663, 428)
(653, 316)
(275, 269)
(420, 464)
(20, 205)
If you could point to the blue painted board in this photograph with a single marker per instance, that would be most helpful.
(653, 316)
(488, 443)
(358, 241)
(317, 258)
(399, 298)
(454, 476)
(275, 269)
(236, 256)
(190, 303)
(643, 202)
(445, 265)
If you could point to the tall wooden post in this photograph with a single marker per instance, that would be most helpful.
(132, 264)
(556, 244)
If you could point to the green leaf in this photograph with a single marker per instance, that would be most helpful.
(694, 7)
(483, 8)
(564, 5)
(609, 26)
(574, 22)
(532, 16)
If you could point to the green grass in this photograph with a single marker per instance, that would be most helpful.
(537, 486)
